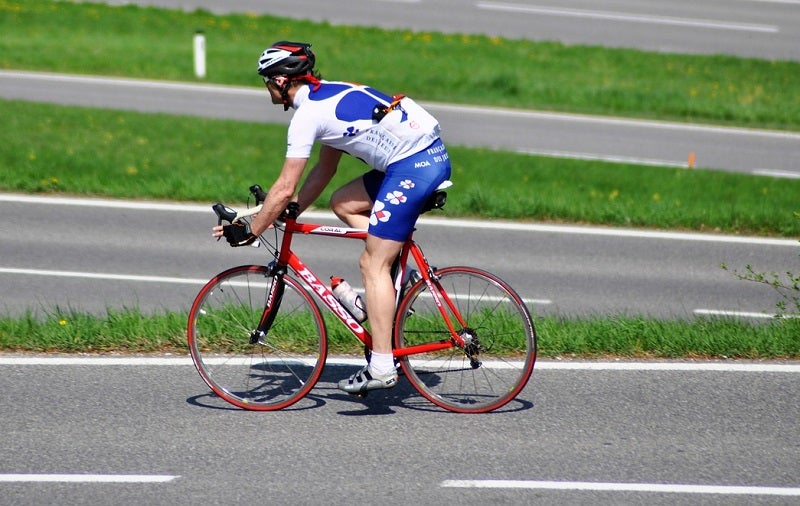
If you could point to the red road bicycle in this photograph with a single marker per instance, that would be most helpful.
(462, 337)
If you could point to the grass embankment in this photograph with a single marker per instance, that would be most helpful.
(129, 331)
(154, 43)
(53, 149)
(50, 149)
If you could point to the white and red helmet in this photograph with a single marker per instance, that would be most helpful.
(286, 58)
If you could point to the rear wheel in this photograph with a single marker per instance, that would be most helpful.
(252, 371)
(497, 359)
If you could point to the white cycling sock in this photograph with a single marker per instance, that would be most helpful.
(381, 363)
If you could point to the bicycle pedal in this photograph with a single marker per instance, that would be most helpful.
(360, 395)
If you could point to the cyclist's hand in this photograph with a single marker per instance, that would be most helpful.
(237, 234)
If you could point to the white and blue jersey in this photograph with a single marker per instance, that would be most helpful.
(404, 150)
(340, 115)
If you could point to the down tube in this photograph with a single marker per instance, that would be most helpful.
(330, 300)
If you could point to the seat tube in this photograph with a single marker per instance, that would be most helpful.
(442, 300)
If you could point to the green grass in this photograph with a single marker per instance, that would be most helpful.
(155, 43)
(129, 331)
(53, 149)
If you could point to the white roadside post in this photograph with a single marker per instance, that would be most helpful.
(199, 54)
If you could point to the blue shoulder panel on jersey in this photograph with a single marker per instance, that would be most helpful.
(327, 91)
(354, 106)
(380, 94)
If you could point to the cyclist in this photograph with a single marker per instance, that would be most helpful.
(394, 136)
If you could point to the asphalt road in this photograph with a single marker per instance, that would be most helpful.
(563, 135)
(91, 255)
(135, 420)
(754, 28)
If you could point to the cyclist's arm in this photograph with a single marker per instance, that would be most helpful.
(279, 194)
(319, 176)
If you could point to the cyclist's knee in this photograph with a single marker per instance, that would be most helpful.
(347, 205)
(367, 264)
(338, 203)
(378, 256)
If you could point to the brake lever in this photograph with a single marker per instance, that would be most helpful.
(259, 194)
(223, 214)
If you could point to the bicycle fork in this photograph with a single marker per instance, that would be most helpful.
(271, 306)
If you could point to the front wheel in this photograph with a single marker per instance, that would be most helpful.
(499, 350)
(255, 371)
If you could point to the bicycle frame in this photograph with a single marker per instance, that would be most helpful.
(458, 331)
(287, 258)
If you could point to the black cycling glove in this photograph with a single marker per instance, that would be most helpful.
(238, 234)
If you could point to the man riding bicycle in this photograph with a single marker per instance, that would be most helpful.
(394, 136)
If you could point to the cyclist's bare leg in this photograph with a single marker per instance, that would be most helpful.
(376, 263)
(351, 203)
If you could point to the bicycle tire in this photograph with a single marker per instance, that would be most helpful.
(277, 370)
(500, 337)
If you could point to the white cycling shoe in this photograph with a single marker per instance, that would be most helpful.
(364, 380)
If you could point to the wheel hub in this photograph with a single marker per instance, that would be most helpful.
(472, 346)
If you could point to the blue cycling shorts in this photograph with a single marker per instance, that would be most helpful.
(401, 192)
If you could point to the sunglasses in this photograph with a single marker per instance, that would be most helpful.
(277, 81)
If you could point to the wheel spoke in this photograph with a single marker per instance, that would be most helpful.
(499, 342)
(277, 369)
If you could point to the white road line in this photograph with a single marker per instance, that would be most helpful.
(776, 173)
(139, 205)
(700, 366)
(103, 276)
(441, 222)
(129, 81)
(17, 359)
(152, 279)
(608, 158)
(629, 17)
(625, 487)
(790, 2)
(85, 478)
(738, 314)
(785, 174)
(105, 360)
